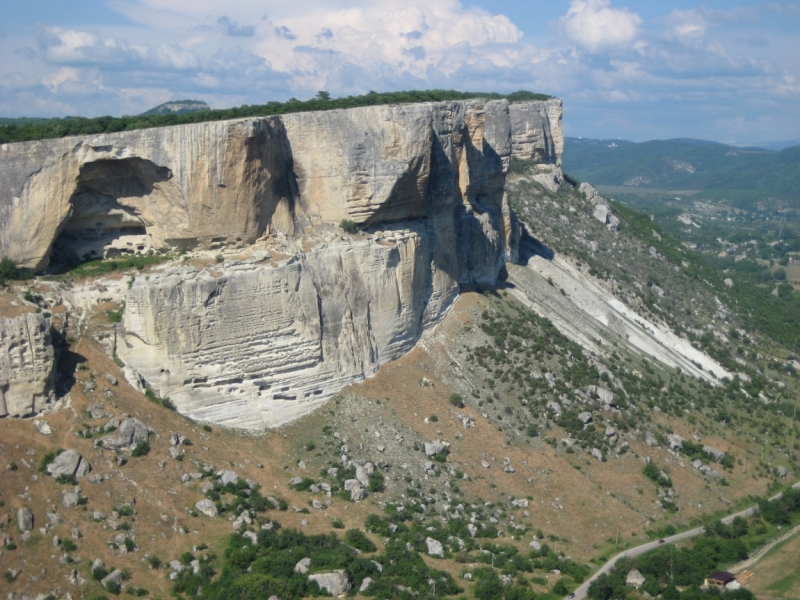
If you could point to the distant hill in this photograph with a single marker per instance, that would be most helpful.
(685, 164)
(178, 107)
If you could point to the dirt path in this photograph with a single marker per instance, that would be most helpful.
(746, 564)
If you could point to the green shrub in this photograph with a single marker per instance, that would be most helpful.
(154, 561)
(310, 446)
(456, 400)
(8, 270)
(68, 545)
(99, 573)
(337, 524)
(358, 540)
(141, 449)
(348, 226)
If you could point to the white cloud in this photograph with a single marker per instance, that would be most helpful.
(596, 26)
(602, 57)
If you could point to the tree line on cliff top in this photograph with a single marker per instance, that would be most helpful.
(25, 130)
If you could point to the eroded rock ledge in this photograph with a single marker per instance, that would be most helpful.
(256, 342)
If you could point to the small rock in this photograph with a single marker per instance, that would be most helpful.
(111, 379)
(365, 583)
(25, 519)
(69, 500)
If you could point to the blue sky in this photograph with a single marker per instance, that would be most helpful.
(721, 70)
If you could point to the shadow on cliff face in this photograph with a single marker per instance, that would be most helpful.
(529, 247)
(67, 363)
(105, 219)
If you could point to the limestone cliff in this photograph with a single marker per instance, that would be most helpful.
(256, 342)
(26, 365)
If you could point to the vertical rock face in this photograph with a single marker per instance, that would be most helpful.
(26, 365)
(261, 341)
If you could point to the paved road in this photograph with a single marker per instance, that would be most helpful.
(631, 552)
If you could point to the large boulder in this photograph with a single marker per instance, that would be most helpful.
(435, 547)
(635, 579)
(335, 583)
(227, 476)
(714, 453)
(357, 493)
(130, 433)
(207, 507)
(435, 447)
(362, 475)
(69, 463)
(113, 580)
(675, 441)
(302, 566)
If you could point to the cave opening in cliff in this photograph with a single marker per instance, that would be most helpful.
(105, 219)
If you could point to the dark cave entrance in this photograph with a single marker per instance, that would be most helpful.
(105, 219)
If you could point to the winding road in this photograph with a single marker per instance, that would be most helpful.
(580, 593)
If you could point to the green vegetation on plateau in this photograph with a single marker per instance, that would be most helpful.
(28, 129)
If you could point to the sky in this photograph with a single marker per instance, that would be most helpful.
(639, 69)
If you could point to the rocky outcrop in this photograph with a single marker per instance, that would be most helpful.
(27, 359)
(256, 342)
(230, 182)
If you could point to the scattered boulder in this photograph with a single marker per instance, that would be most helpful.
(362, 476)
(435, 547)
(113, 580)
(302, 566)
(43, 427)
(597, 453)
(111, 379)
(357, 493)
(69, 500)
(250, 535)
(69, 463)
(130, 433)
(520, 503)
(435, 447)
(650, 440)
(207, 507)
(365, 583)
(585, 417)
(335, 583)
(227, 476)
(25, 519)
(605, 396)
(675, 441)
(554, 407)
(714, 453)
(635, 579)
(782, 472)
